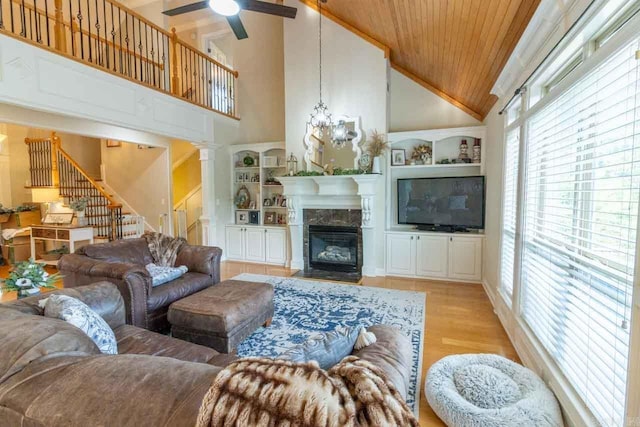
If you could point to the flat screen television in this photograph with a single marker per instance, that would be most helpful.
(442, 204)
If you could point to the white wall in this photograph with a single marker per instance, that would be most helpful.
(355, 75)
(142, 177)
(412, 107)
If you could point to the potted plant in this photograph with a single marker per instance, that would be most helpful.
(27, 278)
(377, 146)
(78, 206)
(5, 213)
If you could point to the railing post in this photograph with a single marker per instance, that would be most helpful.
(55, 173)
(175, 80)
(58, 29)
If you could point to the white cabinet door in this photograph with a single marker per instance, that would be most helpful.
(431, 256)
(254, 244)
(276, 246)
(401, 254)
(465, 258)
(235, 244)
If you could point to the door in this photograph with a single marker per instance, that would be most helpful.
(431, 256)
(465, 258)
(401, 254)
(276, 246)
(235, 243)
(254, 249)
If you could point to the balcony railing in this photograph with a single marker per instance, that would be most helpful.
(110, 36)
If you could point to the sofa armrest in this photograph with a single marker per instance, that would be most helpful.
(102, 297)
(392, 352)
(201, 259)
(133, 282)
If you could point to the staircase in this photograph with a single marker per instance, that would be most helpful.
(52, 167)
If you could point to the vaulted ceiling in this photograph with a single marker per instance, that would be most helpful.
(456, 48)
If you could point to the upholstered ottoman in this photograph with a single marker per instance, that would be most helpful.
(223, 315)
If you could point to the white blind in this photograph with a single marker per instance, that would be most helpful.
(509, 210)
(581, 205)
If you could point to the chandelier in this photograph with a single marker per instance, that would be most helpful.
(320, 117)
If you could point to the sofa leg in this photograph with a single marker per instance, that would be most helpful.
(267, 323)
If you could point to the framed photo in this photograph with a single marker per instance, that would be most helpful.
(398, 157)
(252, 205)
(270, 218)
(270, 161)
(267, 203)
(242, 217)
(58, 218)
(254, 217)
(112, 143)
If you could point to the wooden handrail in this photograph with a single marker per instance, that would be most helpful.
(206, 57)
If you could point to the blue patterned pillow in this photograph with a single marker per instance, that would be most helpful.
(78, 314)
(327, 349)
(161, 275)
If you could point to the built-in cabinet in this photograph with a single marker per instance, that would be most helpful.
(257, 244)
(434, 255)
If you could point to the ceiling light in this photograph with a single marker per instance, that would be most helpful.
(224, 7)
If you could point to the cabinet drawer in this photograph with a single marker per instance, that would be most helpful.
(63, 234)
(37, 232)
(45, 233)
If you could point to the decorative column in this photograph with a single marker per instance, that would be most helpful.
(296, 231)
(367, 186)
(207, 217)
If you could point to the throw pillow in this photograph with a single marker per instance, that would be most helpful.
(161, 275)
(328, 349)
(78, 314)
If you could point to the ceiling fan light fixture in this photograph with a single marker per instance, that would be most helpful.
(225, 7)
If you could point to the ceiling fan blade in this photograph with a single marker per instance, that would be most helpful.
(237, 27)
(270, 8)
(187, 8)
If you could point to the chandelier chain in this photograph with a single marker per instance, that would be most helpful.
(320, 43)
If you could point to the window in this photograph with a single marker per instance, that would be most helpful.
(509, 211)
(580, 207)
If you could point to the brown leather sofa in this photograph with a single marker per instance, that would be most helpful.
(123, 263)
(51, 374)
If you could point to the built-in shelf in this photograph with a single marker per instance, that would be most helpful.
(247, 167)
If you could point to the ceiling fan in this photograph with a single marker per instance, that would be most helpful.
(231, 8)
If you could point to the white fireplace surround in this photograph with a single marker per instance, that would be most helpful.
(331, 192)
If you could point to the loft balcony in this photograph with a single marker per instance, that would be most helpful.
(106, 35)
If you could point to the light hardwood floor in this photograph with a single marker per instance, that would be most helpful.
(459, 319)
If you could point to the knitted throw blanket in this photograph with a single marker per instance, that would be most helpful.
(164, 249)
(279, 393)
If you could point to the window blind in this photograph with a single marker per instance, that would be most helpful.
(582, 187)
(509, 210)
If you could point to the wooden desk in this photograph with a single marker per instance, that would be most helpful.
(60, 233)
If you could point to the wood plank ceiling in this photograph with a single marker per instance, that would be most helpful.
(456, 48)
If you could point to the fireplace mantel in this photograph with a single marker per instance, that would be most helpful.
(331, 192)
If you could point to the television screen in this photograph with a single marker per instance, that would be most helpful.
(448, 202)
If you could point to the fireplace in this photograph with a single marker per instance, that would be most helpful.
(333, 248)
(332, 245)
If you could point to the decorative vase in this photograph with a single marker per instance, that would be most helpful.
(375, 168)
(476, 151)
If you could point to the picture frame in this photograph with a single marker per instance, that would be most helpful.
(252, 205)
(242, 217)
(254, 217)
(267, 203)
(270, 161)
(398, 157)
(63, 218)
(270, 218)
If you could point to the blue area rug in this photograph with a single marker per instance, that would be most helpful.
(304, 308)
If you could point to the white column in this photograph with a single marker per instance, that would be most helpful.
(296, 231)
(207, 217)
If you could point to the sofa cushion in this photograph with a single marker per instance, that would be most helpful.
(30, 338)
(134, 340)
(190, 283)
(161, 274)
(327, 349)
(78, 314)
(132, 251)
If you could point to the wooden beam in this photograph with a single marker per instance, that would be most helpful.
(437, 91)
(387, 54)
